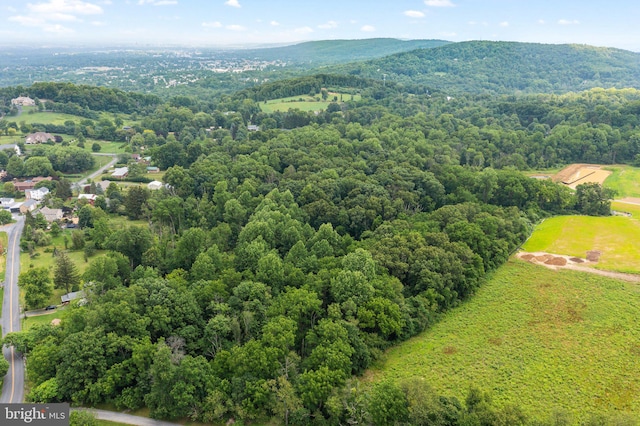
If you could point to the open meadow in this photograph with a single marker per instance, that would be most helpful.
(625, 180)
(304, 102)
(545, 340)
(615, 237)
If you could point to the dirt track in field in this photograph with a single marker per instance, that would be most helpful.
(576, 174)
(559, 261)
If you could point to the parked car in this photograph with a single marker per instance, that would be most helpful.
(50, 308)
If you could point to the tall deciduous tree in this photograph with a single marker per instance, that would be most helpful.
(37, 287)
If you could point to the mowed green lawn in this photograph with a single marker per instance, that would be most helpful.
(303, 103)
(43, 117)
(616, 237)
(542, 339)
(625, 180)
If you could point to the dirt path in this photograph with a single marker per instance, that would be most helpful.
(559, 261)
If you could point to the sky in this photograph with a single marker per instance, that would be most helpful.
(612, 23)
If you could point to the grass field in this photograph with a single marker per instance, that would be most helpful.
(4, 241)
(625, 180)
(303, 103)
(615, 237)
(544, 340)
(46, 260)
(30, 321)
(43, 117)
(633, 209)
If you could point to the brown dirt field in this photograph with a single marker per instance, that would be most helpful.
(593, 256)
(556, 261)
(576, 174)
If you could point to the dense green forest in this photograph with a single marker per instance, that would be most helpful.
(506, 67)
(278, 264)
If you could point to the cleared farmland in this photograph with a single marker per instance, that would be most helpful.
(542, 339)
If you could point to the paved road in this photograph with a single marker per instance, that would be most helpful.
(13, 386)
(100, 170)
(126, 418)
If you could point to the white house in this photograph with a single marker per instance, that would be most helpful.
(154, 185)
(120, 173)
(36, 194)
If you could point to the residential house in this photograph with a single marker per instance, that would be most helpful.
(253, 128)
(120, 173)
(28, 206)
(66, 298)
(29, 183)
(51, 214)
(36, 194)
(89, 197)
(153, 169)
(6, 203)
(39, 137)
(154, 185)
(23, 101)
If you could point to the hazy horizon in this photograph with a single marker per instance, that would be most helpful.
(250, 23)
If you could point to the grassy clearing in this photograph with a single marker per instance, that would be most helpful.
(615, 237)
(30, 321)
(45, 259)
(633, 209)
(4, 241)
(542, 339)
(304, 102)
(625, 180)
(43, 117)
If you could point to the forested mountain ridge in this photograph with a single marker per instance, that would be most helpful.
(506, 67)
(340, 51)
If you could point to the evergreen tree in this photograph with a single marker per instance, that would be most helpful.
(66, 274)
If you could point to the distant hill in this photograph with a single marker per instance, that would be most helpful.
(505, 67)
(341, 51)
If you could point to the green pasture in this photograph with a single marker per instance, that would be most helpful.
(625, 180)
(43, 117)
(544, 340)
(632, 209)
(616, 237)
(303, 103)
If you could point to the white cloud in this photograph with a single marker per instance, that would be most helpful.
(541, 21)
(439, 3)
(27, 21)
(274, 23)
(58, 29)
(414, 14)
(68, 6)
(158, 2)
(235, 28)
(215, 24)
(353, 21)
(12, 9)
(504, 24)
(98, 23)
(568, 22)
(328, 25)
(368, 28)
(303, 30)
(232, 3)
